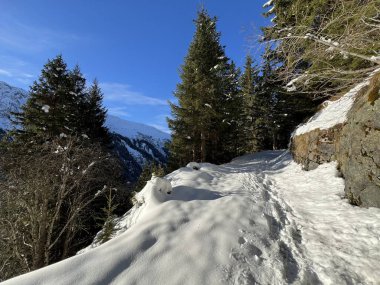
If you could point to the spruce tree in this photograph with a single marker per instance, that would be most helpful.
(231, 116)
(249, 87)
(95, 114)
(285, 109)
(61, 105)
(196, 120)
(46, 111)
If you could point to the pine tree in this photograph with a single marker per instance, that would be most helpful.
(231, 116)
(196, 120)
(249, 86)
(95, 114)
(60, 105)
(329, 45)
(45, 112)
(285, 109)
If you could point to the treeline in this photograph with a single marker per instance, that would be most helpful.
(58, 174)
(315, 49)
(223, 112)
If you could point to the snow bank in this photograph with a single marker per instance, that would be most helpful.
(260, 219)
(193, 165)
(334, 112)
(183, 239)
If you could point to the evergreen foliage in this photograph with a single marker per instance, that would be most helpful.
(207, 86)
(146, 174)
(256, 108)
(333, 44)
(107, 220)
(95, 114)
(54, 168)
(59, 104)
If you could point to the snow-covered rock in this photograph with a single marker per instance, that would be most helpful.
(193, 165)
(346, 130)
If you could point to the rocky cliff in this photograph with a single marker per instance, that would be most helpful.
(352, 139)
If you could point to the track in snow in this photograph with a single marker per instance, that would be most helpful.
(269, 251)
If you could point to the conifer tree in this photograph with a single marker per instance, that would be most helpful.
(249, 87)
(95, 114)
(328, 45)
(285, 109)
(46, 111)
(60, 104)
(231, 116)
(196, 120)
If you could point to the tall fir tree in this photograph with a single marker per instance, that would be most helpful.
(249, 87)
(60, 104)
(96, 115)
(285, 109)
(231, 120)
(46, 111)
(196, 120)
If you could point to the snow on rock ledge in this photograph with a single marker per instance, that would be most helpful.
(347, 131)
(333, 113)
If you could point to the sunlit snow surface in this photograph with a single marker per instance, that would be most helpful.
(333, 112)
(260, 218)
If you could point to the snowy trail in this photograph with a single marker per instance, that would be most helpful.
(260, 219)
(270, 249)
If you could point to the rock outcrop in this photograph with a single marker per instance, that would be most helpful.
(354, 144)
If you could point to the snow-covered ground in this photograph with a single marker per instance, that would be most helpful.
(260, 219)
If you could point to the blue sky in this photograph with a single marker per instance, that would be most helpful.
(134, 48)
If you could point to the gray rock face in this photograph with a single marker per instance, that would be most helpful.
(316, 147)
(355, 145)
(359, 149)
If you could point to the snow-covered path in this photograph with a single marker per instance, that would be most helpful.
(260, 219)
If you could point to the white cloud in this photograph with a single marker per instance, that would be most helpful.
(5, 72)
(21, 36)
(162, 128)
(116, 92)
(118, 111)
(17, 69)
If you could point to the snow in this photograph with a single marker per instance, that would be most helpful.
(334, 112)
(259, 219)
(193, 165)
(267, 4)
(45, 108)
(132, 129)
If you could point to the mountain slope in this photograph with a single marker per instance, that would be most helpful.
(260, 219)
(136, 144)
(11, 98)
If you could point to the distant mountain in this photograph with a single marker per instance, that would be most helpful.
(11, 98)
(136, 144)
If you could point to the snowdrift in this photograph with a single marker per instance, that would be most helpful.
(259, 219)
